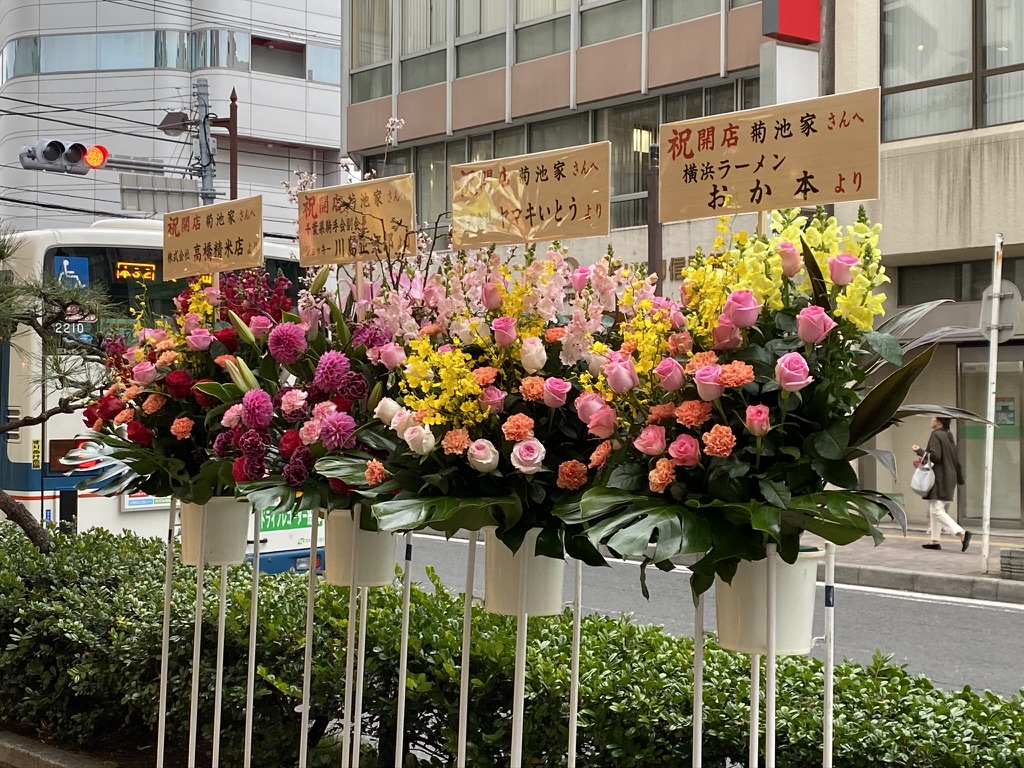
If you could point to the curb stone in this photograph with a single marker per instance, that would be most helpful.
(948, 585)
(23, 752)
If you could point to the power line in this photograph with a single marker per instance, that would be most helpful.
(88, 127)
(66, 208)
(83, 111)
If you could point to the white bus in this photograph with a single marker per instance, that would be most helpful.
(123, 256)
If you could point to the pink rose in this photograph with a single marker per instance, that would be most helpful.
(587, 405)
(620, 372)
(528, 456)
(685, 451)
(741, 308)
(651, 442)
(483, 456)
(670, 374)
(144, 373)
(791, 261)
(840, 268)
(677, 318)
(680, 343)
(192, 321)
(706, 379)
(756, 420)
(212, 296)
(494, 399)
(391, 355)
(492, 296)
(260, 326)
(199, 340)
(602, 423)
(555, 392)
(726, 335)
(579, 278)
(152, 335)
(504, 330)
(813, 324)
(792, 373)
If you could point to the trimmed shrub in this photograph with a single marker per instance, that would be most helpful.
(79, 661)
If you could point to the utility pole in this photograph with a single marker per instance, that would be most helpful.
(207, 145)
(231, 123)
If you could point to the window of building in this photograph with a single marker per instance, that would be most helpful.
(960, 281)
(220, 48)
(481, 55)
(741, 3)
(371, 32)
(950, 65)
(126, 50)
(278, 57)
(172, 49)
(544, 39)
(510, 142)
(564, 132)
(394, 163)
(672, 11)
(431, 183)
(481, 148)
(323, 65)
(751, 93)
(424, 70)
(609, 21)
(631, 129)
(528, 10)
(424, 24)
(67, 53)
(370, 84)
(479, 17)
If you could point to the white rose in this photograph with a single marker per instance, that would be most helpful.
(481, 330)
(595, 363)
(533, 355)
(528, 456)
(419, 439)
(386, 410)
(463, 329)
(482, 456)
(402, 420)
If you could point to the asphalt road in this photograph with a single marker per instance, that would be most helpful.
(953, 641)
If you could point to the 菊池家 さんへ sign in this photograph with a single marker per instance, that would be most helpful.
(544, 196)
(795, 155)
(215, 238)
(348, 223)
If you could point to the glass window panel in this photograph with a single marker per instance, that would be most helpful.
(925, 40)
(510, 142)
(126, 50)
(674, 11)
(277, 61)
(423, 70)
(478, 17)
(545, 39)
(371, 84)
(1004, 33)
(423, 24)
(610, 21)
(323, 65)
(371, 32)
(481, 148)
(684, 106)
(751, 93)
(67, 53)
(555, 134)
(926, 111)
(394, 163)
(720, 99)
(741, 3)
(480, 56)
(231, 50)
(919, 284)
(629, 213)
(527, 10)
(21, 57)
(172, 49)
(977, 276)
(431, 183)
(631, 129)
(1004, 98)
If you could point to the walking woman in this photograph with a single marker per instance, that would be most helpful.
(948, 475)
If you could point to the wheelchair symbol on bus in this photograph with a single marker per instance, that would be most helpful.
(73, 271)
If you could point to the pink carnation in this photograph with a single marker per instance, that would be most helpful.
(287, 342)
(310, 432)
(232, 416)
(257, 409)
(293, 401)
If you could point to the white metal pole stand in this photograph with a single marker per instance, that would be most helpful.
(754, 748)
(467, 624)
(574, 675)
(519, 682)
(357, 714)
(698, 683)
(250, 682)
(307, 661)
(165, 642)
(830, 652)
(218, 693)
(197, 639)
(990, 409)
(769, 667)
(350, 652)
(403, 655)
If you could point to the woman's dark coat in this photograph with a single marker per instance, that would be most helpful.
(946, 464)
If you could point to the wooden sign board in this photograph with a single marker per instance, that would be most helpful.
(796, 155)
(544, 196)
(214, 238)
(357, 221)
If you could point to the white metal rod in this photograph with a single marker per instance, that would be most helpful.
(350, 647)
(165, 641)
(574, 674)
(467, 623)
(218, 693)
(254, 600)
(403, 656)
(698, 683)
(990, 409)
(357, 717)
(754, 750)
(307, 661)
(769, 673)
(197, 640)
(830, 651)
(519, 682)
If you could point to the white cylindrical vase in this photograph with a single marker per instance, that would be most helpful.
(741, 608)
(227, 531)
(544, 577)
(375, 552)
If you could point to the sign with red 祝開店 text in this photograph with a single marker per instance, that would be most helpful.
(214, 238)
(796, 155)
(367, 219)
(544, 196)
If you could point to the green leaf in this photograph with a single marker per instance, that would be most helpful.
(831, 443)
(439, 512)
(768, 519)
(213, 389)
(819, 289)
(838, 473)
(775, 493)
(877, 410)
(886, 346)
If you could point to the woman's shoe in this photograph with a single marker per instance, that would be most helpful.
(966, 541)
(933, 545)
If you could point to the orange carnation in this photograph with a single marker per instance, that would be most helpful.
(166, 359)
(128, 414)
(485, 375)
(132, 392)
(719, 441)
(375, 472)
(736, 374)
(431, 330)
(662, 475)
(165, 345)
(153, 403)
(693, 413)
(660, 412)
(518, 427)
(572, 475)
(456, 441)
(532, 388)
(182, 428)
(601, 454)
(699, 360)
(553, 335)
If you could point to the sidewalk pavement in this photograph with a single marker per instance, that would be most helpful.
(900, 563)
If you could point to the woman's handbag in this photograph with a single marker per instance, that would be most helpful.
(924, 477)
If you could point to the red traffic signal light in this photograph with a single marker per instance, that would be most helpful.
(56, 156)
(96, 156)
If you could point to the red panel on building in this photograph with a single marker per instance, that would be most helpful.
(791, 21)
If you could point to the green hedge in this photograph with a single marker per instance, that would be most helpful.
(79, 661)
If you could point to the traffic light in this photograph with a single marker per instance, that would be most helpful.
(58, 157)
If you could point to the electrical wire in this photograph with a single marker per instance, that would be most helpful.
(66, 208)
(89, 127)
(83, 111)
